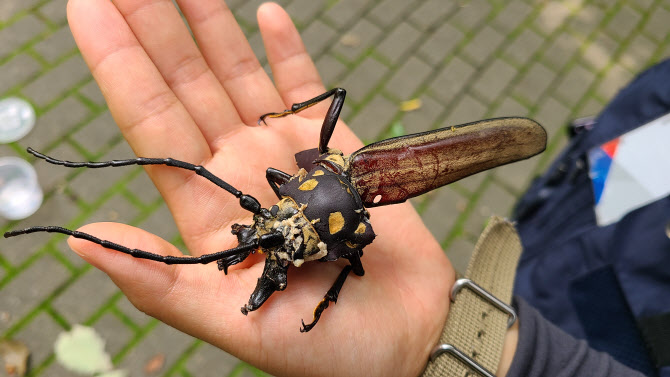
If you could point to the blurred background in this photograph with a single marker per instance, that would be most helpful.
(408, 66)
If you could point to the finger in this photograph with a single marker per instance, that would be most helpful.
(125, 235)
(162, 33)
(227, 51)
(294, 72)
(148, 113)
(171, 293)
(141, 280)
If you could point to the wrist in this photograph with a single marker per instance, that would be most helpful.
(479, 334)
(509, 349)
(438, 322)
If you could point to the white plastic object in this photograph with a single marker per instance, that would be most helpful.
(17, 118)
(20, 192)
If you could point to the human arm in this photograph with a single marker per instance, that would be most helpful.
(545, 350)
(201, 105)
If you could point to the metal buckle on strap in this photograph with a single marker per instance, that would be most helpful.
(458, 354)
(453, 351)
(483, 293)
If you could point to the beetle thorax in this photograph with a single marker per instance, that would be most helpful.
(302, 242)
(333, 207)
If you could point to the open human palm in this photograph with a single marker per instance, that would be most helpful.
(199, 103)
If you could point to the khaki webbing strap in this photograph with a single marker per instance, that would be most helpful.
(474, 326)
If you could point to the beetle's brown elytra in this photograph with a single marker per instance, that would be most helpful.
(321, 214)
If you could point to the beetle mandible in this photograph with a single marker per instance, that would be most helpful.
(321, 214)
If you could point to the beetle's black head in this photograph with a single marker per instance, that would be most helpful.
(301, 240)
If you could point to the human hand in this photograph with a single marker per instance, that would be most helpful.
(171, 99)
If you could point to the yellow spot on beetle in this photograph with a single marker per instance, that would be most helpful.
(351, 245)
(308, 185)
(361, 228)
(335, 222)
(318, 173)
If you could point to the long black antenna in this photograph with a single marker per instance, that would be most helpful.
(137, 253)
(225, 258)
(247, 202)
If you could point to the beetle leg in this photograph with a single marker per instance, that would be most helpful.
(331, 296)
(357, 266)
(273, 279)
(330, 120)
(247, 202)
(276, 178)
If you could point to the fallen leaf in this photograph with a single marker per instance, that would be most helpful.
(461, 205)
(15, 354)
(154, 364)
(350, 40)
(112, 215)
(411, 105)
(82, 350)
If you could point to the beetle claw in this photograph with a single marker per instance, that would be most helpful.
(306, 328)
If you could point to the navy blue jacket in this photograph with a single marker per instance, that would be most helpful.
(608, 285)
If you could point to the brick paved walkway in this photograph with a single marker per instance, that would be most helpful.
(466, 60)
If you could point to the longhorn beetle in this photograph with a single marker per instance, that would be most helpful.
(321, 213)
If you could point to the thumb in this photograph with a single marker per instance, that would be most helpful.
(118, 265)
(192, 298)
(151, 286)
